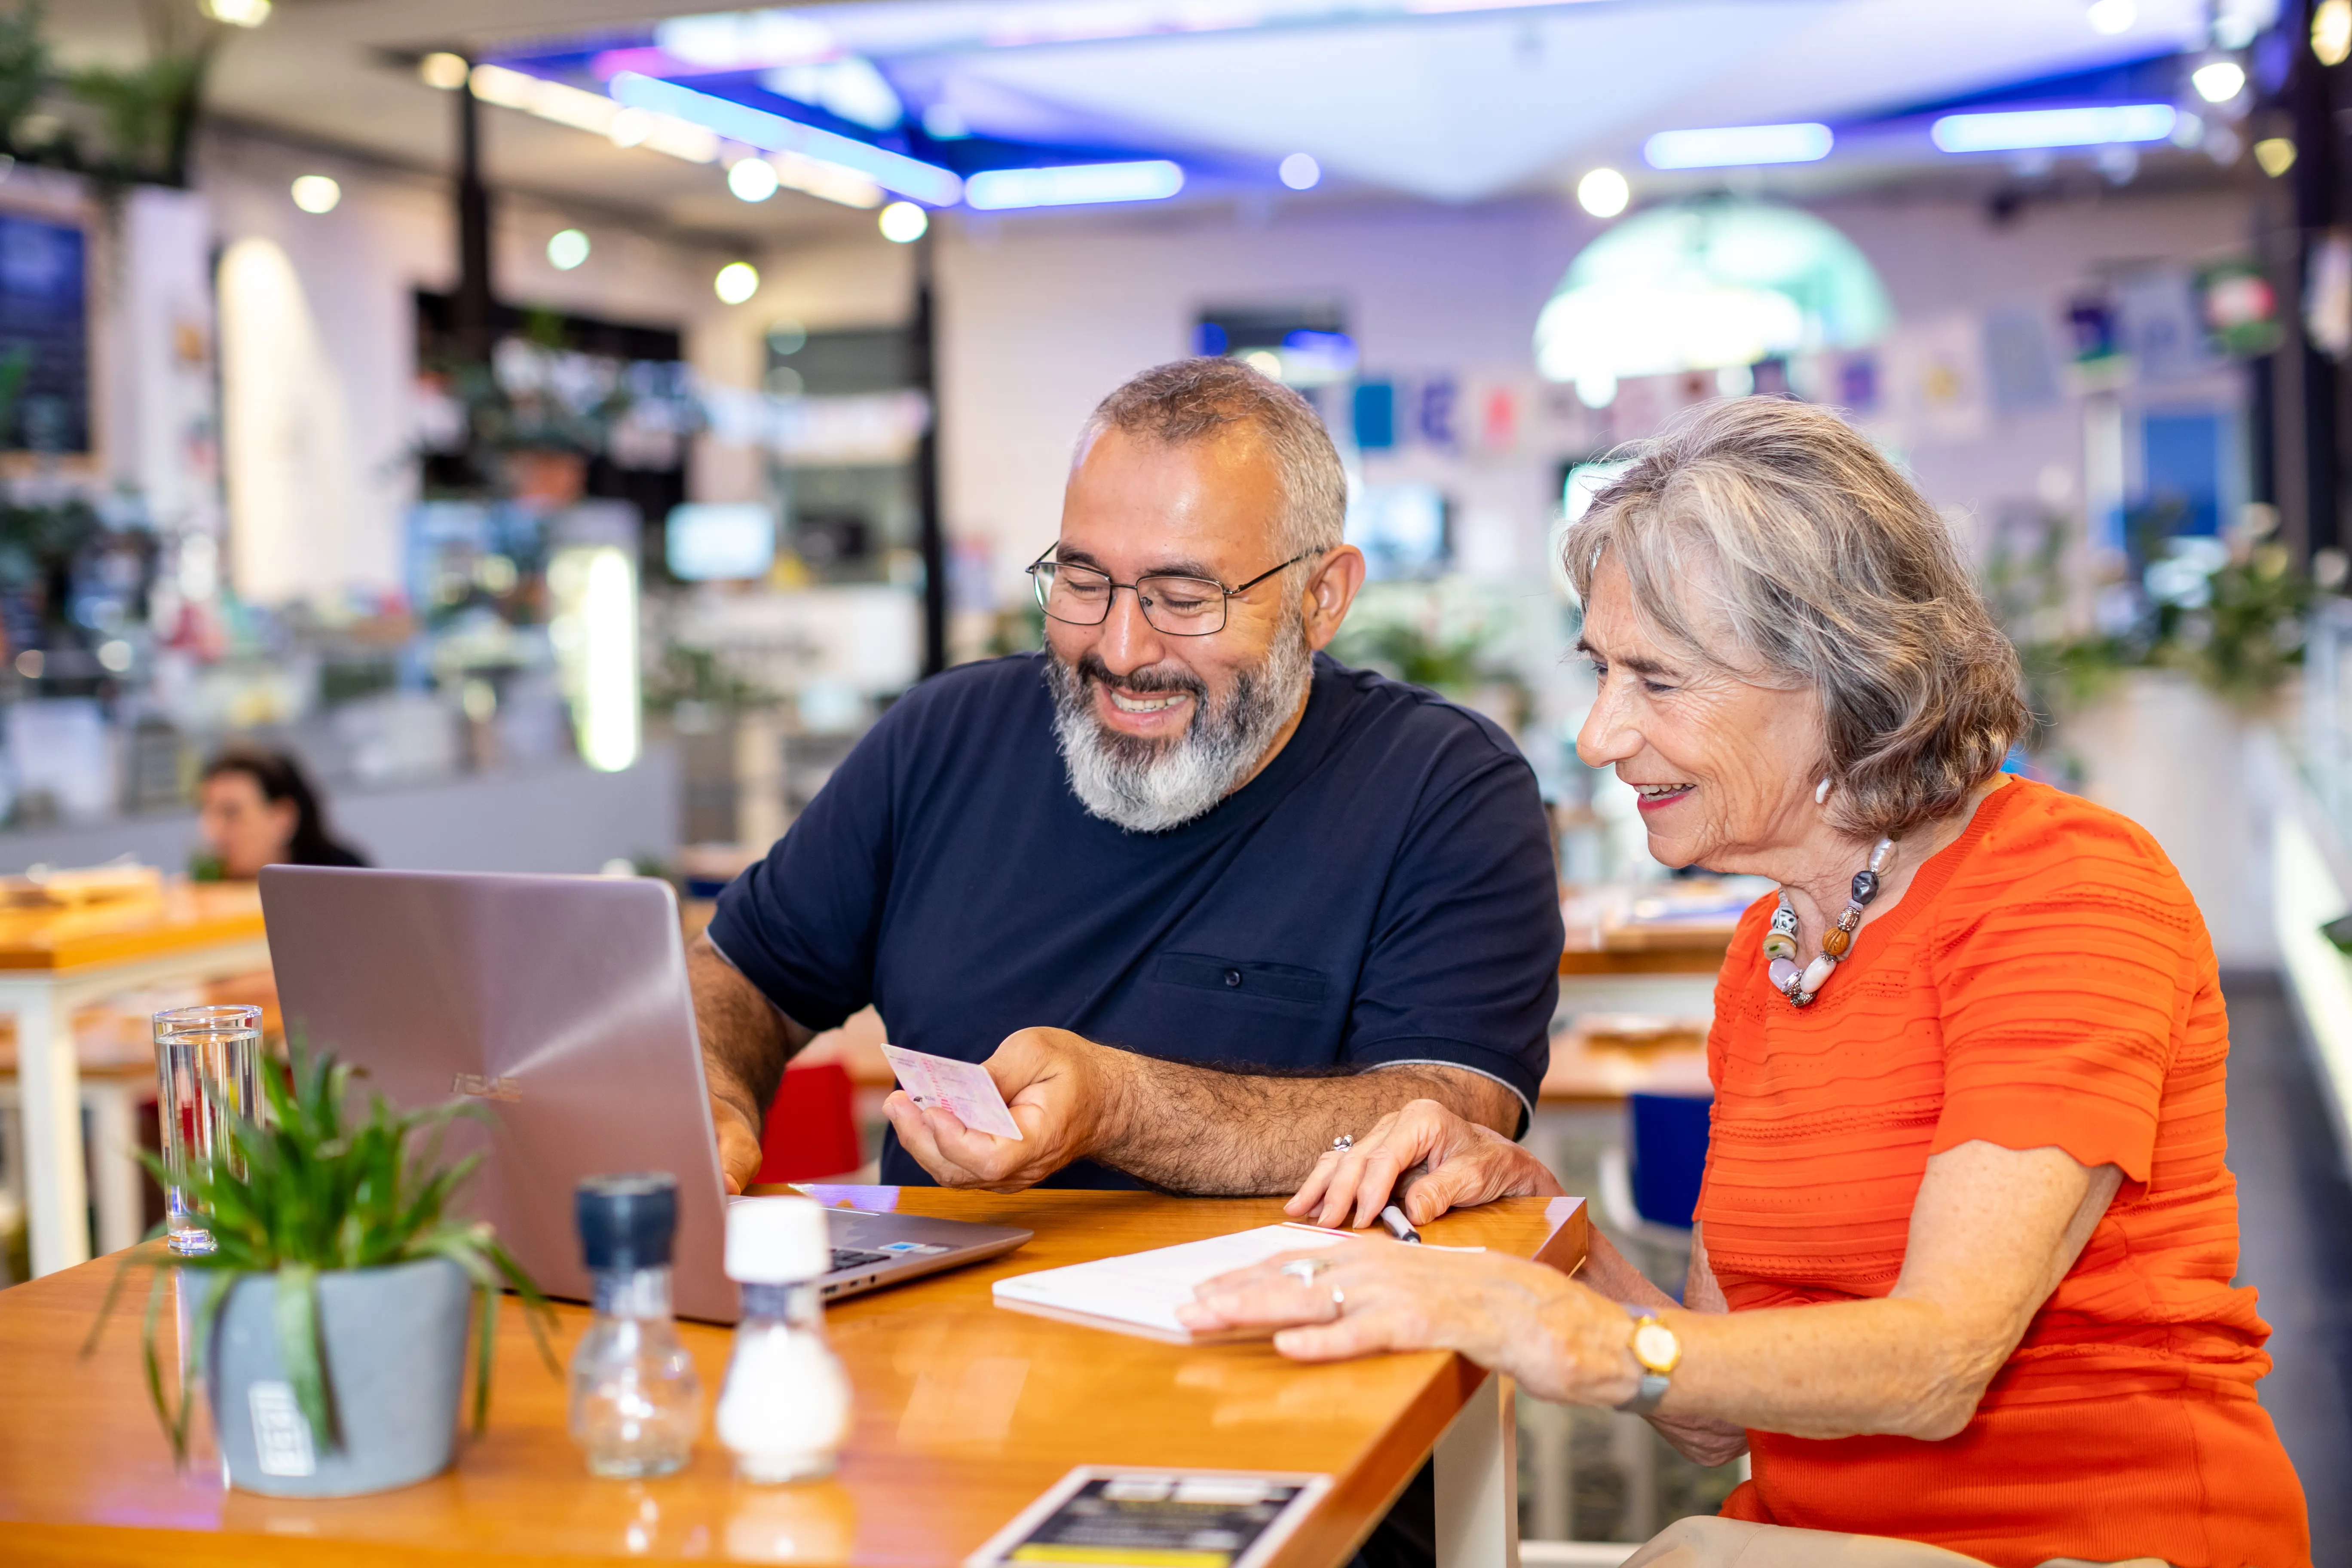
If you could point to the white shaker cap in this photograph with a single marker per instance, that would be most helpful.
(777, 1241)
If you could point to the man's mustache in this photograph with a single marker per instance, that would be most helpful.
(1150, 678)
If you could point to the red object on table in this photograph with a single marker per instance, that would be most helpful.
(812, 1127)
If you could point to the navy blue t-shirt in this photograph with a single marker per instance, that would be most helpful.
(1382, 892)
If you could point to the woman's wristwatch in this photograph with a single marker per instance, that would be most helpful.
(1655, 1347)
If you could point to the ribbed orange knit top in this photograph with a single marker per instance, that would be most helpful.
(2046, 980)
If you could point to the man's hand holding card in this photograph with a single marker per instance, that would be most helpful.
(1048, 1084)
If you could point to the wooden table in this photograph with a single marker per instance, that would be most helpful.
(51, 964)
(966, 1411)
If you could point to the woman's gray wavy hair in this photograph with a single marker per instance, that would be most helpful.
(1832, 573)
(1203, 399)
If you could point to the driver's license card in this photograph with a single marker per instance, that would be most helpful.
(1114, 1518)
(962, 1088)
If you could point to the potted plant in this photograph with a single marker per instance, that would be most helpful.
(329, 1325)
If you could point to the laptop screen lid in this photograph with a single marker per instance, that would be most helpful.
(558, 1004)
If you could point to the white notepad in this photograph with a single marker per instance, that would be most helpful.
(1139, 1294)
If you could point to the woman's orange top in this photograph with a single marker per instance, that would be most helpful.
(2046, 980)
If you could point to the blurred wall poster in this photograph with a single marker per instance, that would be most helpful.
(44, 336)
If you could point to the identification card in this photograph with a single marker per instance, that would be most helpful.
(1113, 1518)
(964, 1089)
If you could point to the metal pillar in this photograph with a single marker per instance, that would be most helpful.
(926, 467)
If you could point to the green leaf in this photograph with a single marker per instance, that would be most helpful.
(295, 1309)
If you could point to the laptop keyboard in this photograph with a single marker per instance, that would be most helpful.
(850, 1258)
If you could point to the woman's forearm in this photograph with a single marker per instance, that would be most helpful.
(1894, 1366)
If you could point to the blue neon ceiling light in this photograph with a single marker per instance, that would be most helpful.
(1732, 146)
(1074, 184)
(773, 132)
(2022, 129)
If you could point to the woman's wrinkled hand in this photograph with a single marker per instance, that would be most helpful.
(1425, 1160)
(1561, 1340)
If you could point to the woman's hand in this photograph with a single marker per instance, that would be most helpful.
(1424, 1158)
(1561, 1340)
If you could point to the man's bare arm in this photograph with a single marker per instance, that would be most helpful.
(1180, 1127)
(1196, 1130)
(746, 1042)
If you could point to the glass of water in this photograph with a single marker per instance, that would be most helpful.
(207, 1067)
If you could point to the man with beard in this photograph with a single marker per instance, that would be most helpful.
(1201, 899)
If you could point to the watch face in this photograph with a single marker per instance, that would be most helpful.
(1655, 1347)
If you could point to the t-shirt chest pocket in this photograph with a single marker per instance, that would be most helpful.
(1283, 987)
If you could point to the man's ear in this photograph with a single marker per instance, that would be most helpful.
(1331, 587)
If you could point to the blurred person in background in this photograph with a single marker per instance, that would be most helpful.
(256, 808)
(1962, 1273)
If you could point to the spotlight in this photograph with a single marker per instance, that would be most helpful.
(444, 70)
(1300, 172)
(316, 193)
(737, 281)
(566, 249)
(753, 180)
(2218, 80)
(903, 223)
(237, 13)
(2331, 32)
(1603, 193)
(2112, 17)
(2275, 154)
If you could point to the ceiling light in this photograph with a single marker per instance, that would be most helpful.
(2218, 80)
(566, 249)
(2275, 154)
(1300, 172)
(238, 12)
(737, 281)
(817, 177)
(444, 70)
(2112, 17)
(2013, 129)
(1074, 184)
(2331, 31)
(774, 133)
(753, 180)
(316, 193)
(1603, 193)
(945, 123)
(1732, 146)
(903, 223)
(592, 112)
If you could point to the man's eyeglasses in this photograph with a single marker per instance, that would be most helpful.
(1179, 606)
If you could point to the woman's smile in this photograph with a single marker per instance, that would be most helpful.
(1658, 796)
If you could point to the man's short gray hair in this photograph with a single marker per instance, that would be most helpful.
(1205, 399)
(1831, 572)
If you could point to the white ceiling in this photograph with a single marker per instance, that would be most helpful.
(1452, 107)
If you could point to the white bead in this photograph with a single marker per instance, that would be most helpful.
(1817, 972)
(1784, 972)
(1882, 853)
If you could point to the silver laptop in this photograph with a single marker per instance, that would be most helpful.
(559, 1006)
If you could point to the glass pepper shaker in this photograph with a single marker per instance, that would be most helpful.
(636, 1401)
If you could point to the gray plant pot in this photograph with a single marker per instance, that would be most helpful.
(395, 1342)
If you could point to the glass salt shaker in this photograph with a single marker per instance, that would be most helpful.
(784, 1409)
(636, 1401)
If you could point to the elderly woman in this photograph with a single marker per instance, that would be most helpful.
(1960, 1278)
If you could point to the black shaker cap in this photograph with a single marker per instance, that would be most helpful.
(627, 1221)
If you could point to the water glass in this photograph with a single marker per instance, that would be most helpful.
(208, 1075)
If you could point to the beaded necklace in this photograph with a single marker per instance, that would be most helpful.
(1801, 986)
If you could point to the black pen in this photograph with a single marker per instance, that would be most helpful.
(1394, 1221)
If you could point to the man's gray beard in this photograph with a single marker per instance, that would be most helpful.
(1150, 786)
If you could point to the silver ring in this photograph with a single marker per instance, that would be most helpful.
(1339, 1302)
(1304, 1270)
(1342, 1144)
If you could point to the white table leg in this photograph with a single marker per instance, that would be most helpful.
(1478, 1482)
(57, 1198)
(114, 1162)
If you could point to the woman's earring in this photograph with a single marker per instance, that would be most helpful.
(1821, 795)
